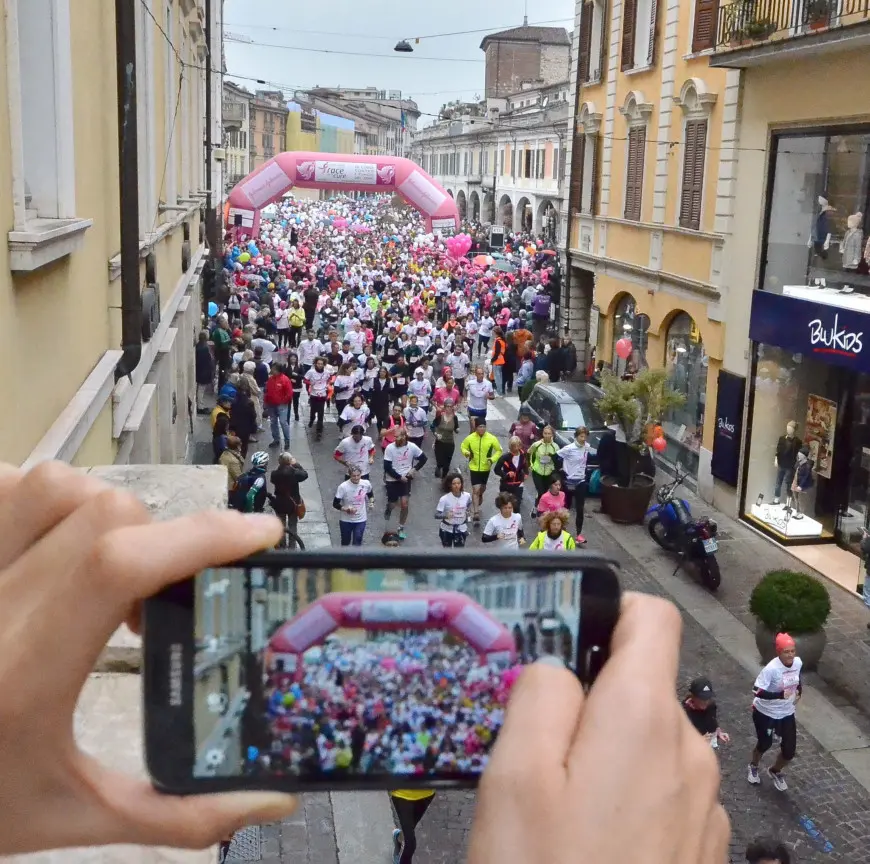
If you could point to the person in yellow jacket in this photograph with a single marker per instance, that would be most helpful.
(296, 319)
(553, 535)
(481, 449)
(409, 807)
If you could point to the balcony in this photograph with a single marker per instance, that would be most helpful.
(757, 32)
(234, 115)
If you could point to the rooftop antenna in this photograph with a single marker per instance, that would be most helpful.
(526, 13)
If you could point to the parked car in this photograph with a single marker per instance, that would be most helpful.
(565, 406)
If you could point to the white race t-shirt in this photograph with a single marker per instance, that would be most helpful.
(574, 460)
(459, 364)
(309, 351)
(344, 386)
(506, 530)
(486, 326)
(356, 454)
(422, 390)
(318, 381)
(555, 543)
(403, 458)
(453, 510)
(353, 495)
(356, 416)
(777, 677)
(478, 394)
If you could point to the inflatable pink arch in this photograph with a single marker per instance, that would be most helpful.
(417, 610)
(343, 173)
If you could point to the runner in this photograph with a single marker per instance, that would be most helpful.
(700, 708)
(415, 421)
(446, 427)
(452, 510)
(356, 413)
(542, 461)
(512, 467)
(350, 500)
(506, 527)
(777, 691)
(317, 382)
(572, 460)
(767, 851)
(481, 449)
(553, 534)
(479, 395)
(402, 460)
(356, 451)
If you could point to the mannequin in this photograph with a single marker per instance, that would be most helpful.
(803, 481)
(820, 236)
(786, 457)
(850, 245)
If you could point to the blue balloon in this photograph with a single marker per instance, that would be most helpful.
(212, 309)
(253, 753)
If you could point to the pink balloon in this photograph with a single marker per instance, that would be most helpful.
(623, 349)
(659, 445)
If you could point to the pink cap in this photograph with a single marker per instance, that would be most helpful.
(783, 642)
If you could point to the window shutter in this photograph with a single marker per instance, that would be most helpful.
(634, 173)
(585, 50)
(651, 51)
(629, 25)
(578, 158)
(593, 190)
(706, 19)
(694, 161)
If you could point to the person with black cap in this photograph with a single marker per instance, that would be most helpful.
(767, 851)
(700, 707)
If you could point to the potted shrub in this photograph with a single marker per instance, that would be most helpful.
(818, 13)
(788, 601)
(760, 28)
(635, 407)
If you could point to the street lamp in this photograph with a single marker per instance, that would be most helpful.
(403, 46)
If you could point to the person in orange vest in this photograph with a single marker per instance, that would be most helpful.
(499, 350)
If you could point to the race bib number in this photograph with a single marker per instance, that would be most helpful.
(400, 381)
(545, 460)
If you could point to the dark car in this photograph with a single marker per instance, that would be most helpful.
(565, 407)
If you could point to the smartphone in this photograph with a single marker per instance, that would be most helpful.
(357, 669)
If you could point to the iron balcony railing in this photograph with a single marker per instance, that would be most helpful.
(747, 22)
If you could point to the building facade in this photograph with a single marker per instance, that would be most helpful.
(237, 102)
(268, 126)
(521, 54)
(60, 259)
(651, 204)
(798, 316)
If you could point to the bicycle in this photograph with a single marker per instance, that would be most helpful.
(289, 537)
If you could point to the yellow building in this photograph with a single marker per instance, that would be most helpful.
(60, 297)
(650, 203)
(798, 313)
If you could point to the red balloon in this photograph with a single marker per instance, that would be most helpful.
(623, 349)
(659, 445)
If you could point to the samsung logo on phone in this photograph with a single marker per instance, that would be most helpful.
(176, 657)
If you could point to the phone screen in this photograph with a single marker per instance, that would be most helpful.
(328, 673)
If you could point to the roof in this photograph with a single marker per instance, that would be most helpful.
(541, 35)
(571, 391)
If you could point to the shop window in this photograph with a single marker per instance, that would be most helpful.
(791, 389)
(686, 362)
(628, 324)
(817, 226)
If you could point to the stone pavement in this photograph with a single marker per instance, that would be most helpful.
(825, 815)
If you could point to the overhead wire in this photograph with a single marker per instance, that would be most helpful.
(391, 56)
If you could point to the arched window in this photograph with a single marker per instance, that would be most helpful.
(686, 362)
(628, 324)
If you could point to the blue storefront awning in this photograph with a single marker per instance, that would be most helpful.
(829, 334)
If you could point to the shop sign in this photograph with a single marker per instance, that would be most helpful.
(830, 334)
(725, 463)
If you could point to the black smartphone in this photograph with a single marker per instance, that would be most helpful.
(358, 669)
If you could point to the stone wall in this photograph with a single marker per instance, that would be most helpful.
(508, 64)
(555, 64)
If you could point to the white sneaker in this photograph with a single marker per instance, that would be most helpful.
(778, 781)
(752, 775)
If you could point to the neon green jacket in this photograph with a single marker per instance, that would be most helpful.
(481, 451)
(567, 541)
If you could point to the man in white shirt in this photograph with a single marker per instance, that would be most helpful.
(402, 460)
(484, 331)
(260, 341)
(479, 395)
(309, 350)
(356, 451)
(459, 362)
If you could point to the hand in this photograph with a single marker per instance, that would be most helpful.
(70, 541)
(349, 510)
(411, 474)
(371, 460)
(724, 737)
(565, 764)
(522, 541)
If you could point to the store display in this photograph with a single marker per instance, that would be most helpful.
(850, 245)
(820, 237)
(821, 427)
(780, 518)
(802, 483)
(786, 456)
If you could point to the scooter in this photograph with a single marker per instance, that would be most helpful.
(671, 526)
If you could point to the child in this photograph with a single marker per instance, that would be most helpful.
(700, 708)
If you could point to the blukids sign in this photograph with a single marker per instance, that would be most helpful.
(725, 462)
(829, 334)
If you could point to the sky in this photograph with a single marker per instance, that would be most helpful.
(438, 71)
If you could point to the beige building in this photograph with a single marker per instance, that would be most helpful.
(798, 311)
(237, 109)
(649, 210)
(268, 125)
(60, 297)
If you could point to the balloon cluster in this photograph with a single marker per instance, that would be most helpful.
(655, 438)
(457, 246)
(623, 348)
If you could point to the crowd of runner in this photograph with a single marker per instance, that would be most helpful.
(402, 705)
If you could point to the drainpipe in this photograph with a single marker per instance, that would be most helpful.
(211, 225)
(128, 182)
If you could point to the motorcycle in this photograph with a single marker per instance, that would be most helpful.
(695, 540)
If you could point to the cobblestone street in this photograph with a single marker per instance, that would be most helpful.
(824, 816)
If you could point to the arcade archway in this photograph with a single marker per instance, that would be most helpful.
(524, 220)
(462, 204)
(488, 214)
(474, 206)
(506, 212)
(547, 220)
(339, 173)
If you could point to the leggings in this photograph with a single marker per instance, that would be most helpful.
(452, 539)
(408, 815)
(316, 405)
(542, 484)
(576, 498)
(443, 455)
(297, 395)
(785, 727)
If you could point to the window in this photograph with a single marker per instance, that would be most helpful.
(585, 50)
(704, 29)
(578, 164)
(501, 163)
(634, 173)
(557, 155)
(527, 164)
(629, 324)
(694, 154)
(513, 163)
(171, 97)
(638, 34)
(146, 111)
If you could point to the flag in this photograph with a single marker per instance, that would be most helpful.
(403, 119)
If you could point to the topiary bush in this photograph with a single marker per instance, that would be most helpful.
(787, 601)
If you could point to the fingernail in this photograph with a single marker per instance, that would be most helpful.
(550, 660)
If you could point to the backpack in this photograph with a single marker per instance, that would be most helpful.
(238, 497)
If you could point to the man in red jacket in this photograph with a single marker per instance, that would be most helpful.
(277, 401)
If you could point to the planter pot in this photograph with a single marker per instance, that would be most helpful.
(627, 504)
(820, 23)
(810, 646)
